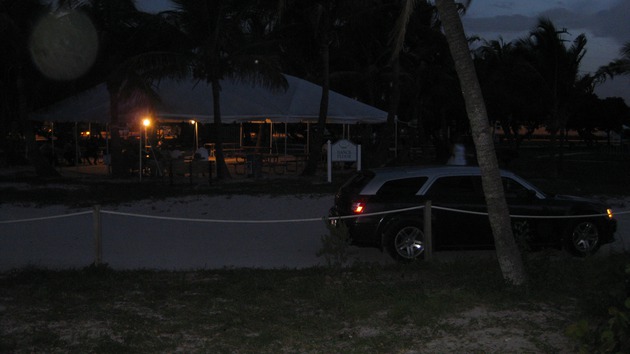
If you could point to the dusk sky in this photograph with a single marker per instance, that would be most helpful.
(606, 24)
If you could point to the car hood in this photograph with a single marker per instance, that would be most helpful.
(573, 198)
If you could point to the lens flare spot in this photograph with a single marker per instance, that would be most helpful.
(64, 46)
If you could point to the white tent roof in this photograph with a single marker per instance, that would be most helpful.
(240, 102)
(89, 106)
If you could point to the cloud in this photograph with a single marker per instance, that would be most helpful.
(499, 24)
(503, 5)
(613, 22)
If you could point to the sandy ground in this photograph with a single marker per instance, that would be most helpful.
(199, 233)
(289, 237)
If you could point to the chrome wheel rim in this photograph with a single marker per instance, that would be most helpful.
(585, 236)
(408, 242)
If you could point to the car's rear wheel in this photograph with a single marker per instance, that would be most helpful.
(582, 238)
(405, 242)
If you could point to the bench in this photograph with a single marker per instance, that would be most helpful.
(189, 168)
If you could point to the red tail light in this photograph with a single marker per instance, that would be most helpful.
(358, 207)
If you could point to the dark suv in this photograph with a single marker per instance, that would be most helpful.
(459, 213)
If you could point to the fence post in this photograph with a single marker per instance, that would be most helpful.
(428, 234)
(328, 161)
(170, 171)
(98, 240)
(190, 171)
(210, 172)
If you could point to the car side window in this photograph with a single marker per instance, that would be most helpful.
(459, 187)
(401, 188)
(514, 189)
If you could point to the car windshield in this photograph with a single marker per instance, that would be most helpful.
(529, 185)
(356, 183)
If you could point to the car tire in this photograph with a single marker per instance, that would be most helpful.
(405, 242)
(582, 237)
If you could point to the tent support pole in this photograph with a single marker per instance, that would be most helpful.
(77, 150)
(140, 158)
(271, 138)
(395, 136)
(107, 136)
(52, 141)
(308, 137)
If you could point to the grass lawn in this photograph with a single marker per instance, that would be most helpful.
(460, 306)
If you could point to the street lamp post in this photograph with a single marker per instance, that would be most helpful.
(196, 142)
(145, 122)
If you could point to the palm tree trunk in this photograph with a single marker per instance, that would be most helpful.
(508, 254)
(222, 170)
(317, 138)
(42, 167)
(390, 128)
(117, 163)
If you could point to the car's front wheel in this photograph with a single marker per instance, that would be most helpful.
(405, 242)
(582, 238)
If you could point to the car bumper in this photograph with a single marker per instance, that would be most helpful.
(608, 232)
(361, 233)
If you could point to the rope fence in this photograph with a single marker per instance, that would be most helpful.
(277, 221)
(97, 212)
(45, 217)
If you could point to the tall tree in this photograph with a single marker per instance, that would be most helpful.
(431, 95)
(620, 66)
(516, 94)
(221, 45)
(322, 20)
(559, 67)
(18, 77)
(118, 24)
(508, 254)
(204, 39)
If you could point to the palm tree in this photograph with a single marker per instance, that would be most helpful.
(220, 44)
(119, 26)
(431, 93)
(515, 93)
(619, 66)
(559, 68)
(17, 20)
(508, 255)
(323, 21)
(208, 40)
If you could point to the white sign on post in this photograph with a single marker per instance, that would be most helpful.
(343, 150)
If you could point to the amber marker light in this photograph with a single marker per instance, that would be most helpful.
(610, 213)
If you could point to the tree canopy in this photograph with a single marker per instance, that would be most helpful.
(347, 46)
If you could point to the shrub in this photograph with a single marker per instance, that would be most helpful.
(610, 336)
(335, 245)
